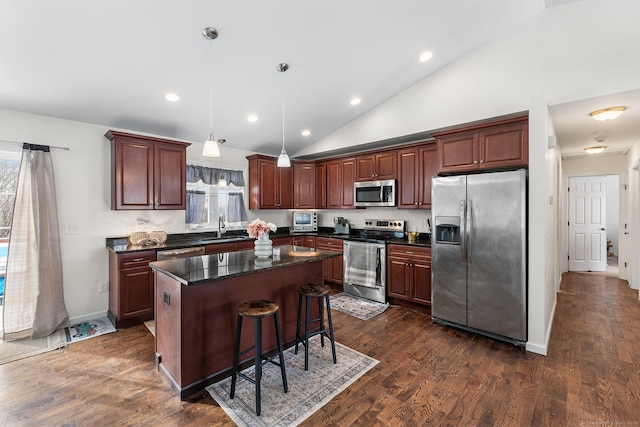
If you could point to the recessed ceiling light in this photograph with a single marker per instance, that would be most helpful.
(607, 113)
(425, 56)
(355, 101)
(306, 132)
(252, 118)
(172, 97)
(595, 149)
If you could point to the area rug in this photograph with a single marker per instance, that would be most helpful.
(361, 308)
(308, 390)
(20, 349)
(89, 329)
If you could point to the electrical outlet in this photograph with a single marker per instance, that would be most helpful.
(103, 287)
(71, 229)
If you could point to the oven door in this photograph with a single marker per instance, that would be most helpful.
(365, 270)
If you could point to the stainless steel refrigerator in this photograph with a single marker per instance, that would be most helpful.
(479, 253)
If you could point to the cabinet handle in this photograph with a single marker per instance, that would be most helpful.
(137, 259)
(408, 252)
(481, 161)
(475, 162)
(420, 203)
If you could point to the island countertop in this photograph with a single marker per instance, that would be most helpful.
(209, 268)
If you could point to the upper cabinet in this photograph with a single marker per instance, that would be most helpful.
(304, 185)
(499, 145)
(147, 173)
(341, 174)
(416, 167)
(321, 185)
(372, 167)
(270, 187)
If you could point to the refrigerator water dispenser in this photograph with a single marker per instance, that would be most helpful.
(448, 230)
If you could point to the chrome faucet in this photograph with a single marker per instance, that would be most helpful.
(221, 227)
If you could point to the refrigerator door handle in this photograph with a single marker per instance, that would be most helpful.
(469, 230)
(463, 232)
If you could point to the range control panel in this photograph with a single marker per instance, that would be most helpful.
(384, 224)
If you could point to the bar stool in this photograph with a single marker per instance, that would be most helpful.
(308, 291)
(257, 310)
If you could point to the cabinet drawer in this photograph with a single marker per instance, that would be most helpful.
(329, 244)
(136, 259)
(408, 252)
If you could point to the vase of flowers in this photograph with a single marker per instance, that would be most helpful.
(259, 230)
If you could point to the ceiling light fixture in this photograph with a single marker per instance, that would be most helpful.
(283, 159)
(425, 56)
(305, 132)
(172, 97)
(252, 118)
(221, 182)
(607, 113)
(210, 148)
(595, 149)
(355, 101)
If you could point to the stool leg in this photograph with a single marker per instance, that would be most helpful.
(236, 356)
(321, 312)
(258, 362)
(306, 333)
(333, 341)
(298, 321)
(276, 318)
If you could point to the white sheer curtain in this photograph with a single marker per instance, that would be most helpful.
(34, 301)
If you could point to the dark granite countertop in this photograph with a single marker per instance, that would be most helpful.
(185, 240)
(209, 268)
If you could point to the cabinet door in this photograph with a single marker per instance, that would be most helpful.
(321, 186)
(428, 169)
(285, 188)
(218, 248)
(337, 266)
(136, 293)
(298, 241)
(310, 242)
(170, 178)
(244, 245)
(348, 179)
(386, 163)
(334, 185)
(282, 241)
(458, 153)
(267, 184)
(304, 185)
(398, 278)
(421, 290)
(408, 178)
(365, 168)
(504, 146)
(132, 174)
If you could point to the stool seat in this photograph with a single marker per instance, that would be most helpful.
(314, 289)
(258, 308)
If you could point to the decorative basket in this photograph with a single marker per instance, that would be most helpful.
(139, 238)
(158, 237)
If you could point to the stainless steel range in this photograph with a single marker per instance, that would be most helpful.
(365, 259)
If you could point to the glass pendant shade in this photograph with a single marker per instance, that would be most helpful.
(222, 182)
(211, 148)
(283, 159)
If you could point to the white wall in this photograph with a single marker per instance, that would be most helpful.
(633, 202)
(613, 205)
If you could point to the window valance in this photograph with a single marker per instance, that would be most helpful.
(211, 176)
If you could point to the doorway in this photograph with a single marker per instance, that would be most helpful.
(594, 223)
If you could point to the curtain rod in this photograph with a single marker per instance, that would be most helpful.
(18, 142)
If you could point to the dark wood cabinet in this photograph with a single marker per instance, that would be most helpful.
(282, 241)
(493, 146)
(409, 273)
(130, 288)
(332, 267)
(341, 174)
(321, 186)
(304, 185)
(217, 248)
(270, 187)
(305, 241)
(416, 167)
(147, 173)
(376, 166)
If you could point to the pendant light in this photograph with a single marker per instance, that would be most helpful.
(283, 159)
(222, 182)
(210, 148)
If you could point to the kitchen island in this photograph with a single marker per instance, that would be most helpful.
(196, 301)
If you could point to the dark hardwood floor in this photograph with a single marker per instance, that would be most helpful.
(427, 375)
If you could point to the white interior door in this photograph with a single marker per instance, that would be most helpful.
(587, 223)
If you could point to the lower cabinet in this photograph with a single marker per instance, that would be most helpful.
(409, 273)
(332, 267)
(130, 288)
(282, 241)
(218, 248)
(305, 241)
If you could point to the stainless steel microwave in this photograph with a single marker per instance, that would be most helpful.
(304, 221)
(375, 193)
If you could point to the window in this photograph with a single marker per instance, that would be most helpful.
(9, 170)
(206, 203)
